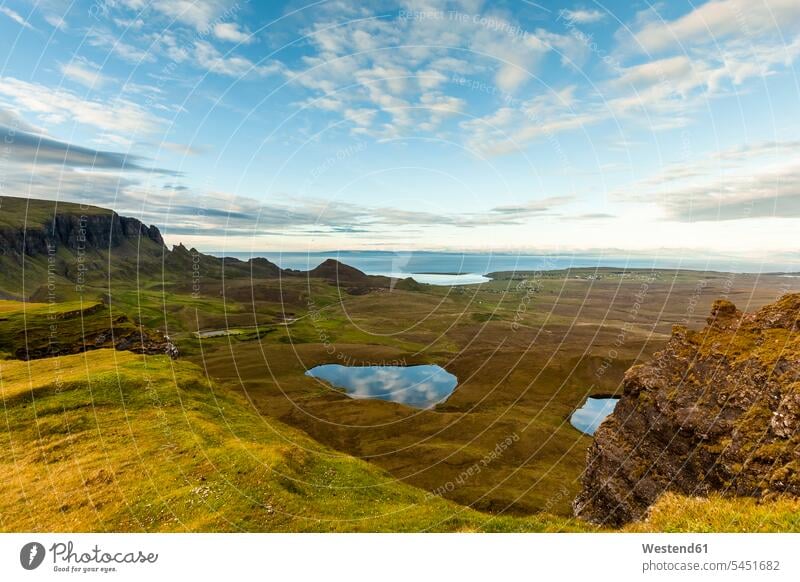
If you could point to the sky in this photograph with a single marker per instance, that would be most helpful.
(465, 125)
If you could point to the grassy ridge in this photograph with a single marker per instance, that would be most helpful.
(112, 441)
(33, 213)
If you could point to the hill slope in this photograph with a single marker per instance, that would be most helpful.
(113, 441)
(59, 251)
(48, 247)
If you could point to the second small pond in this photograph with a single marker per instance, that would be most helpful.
(594, 411)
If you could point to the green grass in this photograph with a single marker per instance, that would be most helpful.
(677, 513)
(42, 329)
(32, 213)
(111, 441)
(10, 310)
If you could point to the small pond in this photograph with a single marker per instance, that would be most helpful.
(594, 411)
(417, 386)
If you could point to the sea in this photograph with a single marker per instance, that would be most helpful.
(454, 268)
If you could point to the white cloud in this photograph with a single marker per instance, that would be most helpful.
(401, 67)
(673, 70)
(362, 117)
(759, 180)
(659, 94)
(84, 72)
(719, 19)
(58, 106)
(130, 23)
(582, 16)
(56, 21)
(532, 207)
(12, 119)
(101, 38)
(16, 17)
(199, 14)
(230, 31)
(768, 193)
(512, 127)
(209, 58)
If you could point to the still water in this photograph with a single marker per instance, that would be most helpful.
(594, 411)
(417, 386)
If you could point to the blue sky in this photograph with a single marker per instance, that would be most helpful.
(462, 125)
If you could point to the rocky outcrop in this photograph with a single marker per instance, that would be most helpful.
(183, 261)
(61, 243)
(90, 333)
(73, 230)
(717, 410)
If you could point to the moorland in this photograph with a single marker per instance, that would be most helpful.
(149, 389)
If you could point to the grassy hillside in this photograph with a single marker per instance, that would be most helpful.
(112, 441)
(678, 513)
(55, 250)
(36, 330)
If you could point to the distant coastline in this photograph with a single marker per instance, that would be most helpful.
(474, 267)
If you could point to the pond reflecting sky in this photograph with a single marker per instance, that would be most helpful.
(417, 386)
(594, 411)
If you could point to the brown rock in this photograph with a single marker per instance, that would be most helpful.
(716, 410)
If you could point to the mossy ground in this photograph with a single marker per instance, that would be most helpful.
(112, 441)
(526, 353)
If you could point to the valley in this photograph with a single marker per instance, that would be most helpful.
(190, 370)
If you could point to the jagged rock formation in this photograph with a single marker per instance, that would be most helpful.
(121, 334)
(717, 410)
(70, 227)
(45, 243)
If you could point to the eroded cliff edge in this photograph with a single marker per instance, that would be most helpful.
(717, 410)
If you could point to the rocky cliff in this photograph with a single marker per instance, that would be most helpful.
(32, 227)
(717, 410)
(45, 244)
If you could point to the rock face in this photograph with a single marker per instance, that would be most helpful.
(717, 410)
(101, 230)
(79, 331)
(62, 243)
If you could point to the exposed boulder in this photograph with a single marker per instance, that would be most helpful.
(717, 410)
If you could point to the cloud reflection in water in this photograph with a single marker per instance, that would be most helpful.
(417, 386)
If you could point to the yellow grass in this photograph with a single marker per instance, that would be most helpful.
(123, 442)
(9, 306)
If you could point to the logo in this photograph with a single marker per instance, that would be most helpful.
(31, 555)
